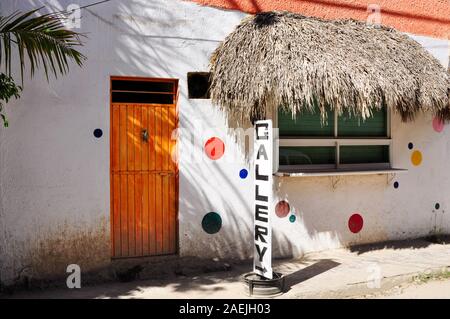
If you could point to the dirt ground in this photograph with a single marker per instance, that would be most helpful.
(436, 289)
(404, 269)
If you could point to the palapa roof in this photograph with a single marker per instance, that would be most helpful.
(280, 59)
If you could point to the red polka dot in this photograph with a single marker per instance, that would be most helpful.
(355, 223)
(282, 209)
(214, 148)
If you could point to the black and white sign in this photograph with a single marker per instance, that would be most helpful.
(263, 198)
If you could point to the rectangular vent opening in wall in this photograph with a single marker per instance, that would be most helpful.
(198, 85)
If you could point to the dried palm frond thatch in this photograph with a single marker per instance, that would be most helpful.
(280, 59)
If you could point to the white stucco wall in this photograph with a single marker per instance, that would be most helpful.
(54, 175)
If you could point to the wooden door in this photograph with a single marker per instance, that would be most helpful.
(144, 176)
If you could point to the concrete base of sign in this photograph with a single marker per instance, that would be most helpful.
(257, 286)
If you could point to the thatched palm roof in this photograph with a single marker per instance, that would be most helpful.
(280, 59)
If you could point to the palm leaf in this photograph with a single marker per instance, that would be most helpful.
(43, 40)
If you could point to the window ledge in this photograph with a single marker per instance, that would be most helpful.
(337, 172)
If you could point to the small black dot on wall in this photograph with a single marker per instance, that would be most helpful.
(437, 206)
(98, 133)
(410, 146)
(396, 185)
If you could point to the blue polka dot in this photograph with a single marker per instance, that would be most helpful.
(98, 133)
(243, 173)
(410, 146)
(292, 218)
(396, 185)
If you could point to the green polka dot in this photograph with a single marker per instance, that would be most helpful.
(212, 223)
(292, 218)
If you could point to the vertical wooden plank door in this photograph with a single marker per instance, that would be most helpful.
(144, 179)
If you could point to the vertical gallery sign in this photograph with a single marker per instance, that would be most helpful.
(262, 264)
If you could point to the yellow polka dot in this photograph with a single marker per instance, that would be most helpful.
(416, 158)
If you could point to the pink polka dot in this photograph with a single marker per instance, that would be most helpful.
(438, 125)
(214, 148)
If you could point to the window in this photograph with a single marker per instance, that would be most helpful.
(343, 142)
(146, 91)
(198, 85)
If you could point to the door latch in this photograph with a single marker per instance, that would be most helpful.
(145, 135)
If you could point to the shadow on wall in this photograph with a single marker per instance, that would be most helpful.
(166, 37)
(171, 36)
(206, 186)
(235, 239)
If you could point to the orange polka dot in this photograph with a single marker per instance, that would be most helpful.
(416, 158)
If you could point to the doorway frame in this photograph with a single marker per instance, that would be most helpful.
(177, 174)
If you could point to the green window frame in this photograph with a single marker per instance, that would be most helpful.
(340, 142)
